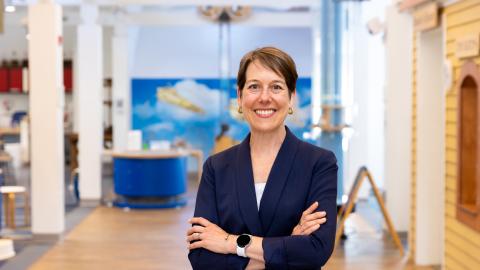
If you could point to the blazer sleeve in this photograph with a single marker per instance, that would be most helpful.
(206, 207)
(310, 251)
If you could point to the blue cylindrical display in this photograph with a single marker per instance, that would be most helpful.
(150, 177)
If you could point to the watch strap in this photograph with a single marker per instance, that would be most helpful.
(241, 252)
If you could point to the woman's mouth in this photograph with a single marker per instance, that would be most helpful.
(264, 113)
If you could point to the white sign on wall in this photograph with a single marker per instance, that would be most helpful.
(467, 46)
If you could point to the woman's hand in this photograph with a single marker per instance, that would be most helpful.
(209, 236)
(310, 221)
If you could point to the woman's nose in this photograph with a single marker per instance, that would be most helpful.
(265, 94)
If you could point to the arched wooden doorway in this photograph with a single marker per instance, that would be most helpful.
(468, 181)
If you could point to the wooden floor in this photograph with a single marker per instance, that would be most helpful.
(111, 238)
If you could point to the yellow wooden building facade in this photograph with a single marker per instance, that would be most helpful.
(460, 19)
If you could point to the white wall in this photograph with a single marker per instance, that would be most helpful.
(430, 149)
(365, 98)
(175, 52)
(398, 116)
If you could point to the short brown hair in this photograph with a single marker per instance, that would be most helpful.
(274, 59)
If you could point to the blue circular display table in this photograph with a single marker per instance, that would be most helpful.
(150, 179)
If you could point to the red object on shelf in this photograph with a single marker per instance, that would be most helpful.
(15, 79)
(68, 75)
(3, 79)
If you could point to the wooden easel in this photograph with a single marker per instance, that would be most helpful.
(347, 208)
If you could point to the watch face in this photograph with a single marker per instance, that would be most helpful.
(243, 240)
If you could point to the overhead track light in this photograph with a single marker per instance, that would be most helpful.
(225, 13)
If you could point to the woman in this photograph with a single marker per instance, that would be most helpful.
(263, 203)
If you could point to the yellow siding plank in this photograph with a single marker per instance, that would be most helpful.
(451, 196)
(451, 170)
(451, 116)
(452, 263)
(450, 48)
(451, 130)
(454, 251)
(451, 103)
(458, 19)
(466, 232)
(450, 209)
(451, 141)
(451, 183)
(457, 32)
(466, 244)
(451, 155)
(460, 6)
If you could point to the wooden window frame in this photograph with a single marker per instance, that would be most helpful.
(469, 215)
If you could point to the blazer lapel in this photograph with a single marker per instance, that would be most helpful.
(277, 179)
(246, 189)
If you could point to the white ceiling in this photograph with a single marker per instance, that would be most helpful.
(266, 13)
(280, 4)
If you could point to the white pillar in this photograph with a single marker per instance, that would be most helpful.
(121, 87)
(398, 116)
(90, 95)
(46, 117)
(430, 149)
(316, 66)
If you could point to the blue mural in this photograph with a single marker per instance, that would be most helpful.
(192, 110)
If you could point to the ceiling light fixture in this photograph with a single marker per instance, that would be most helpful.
(225, 13)
(10, 9)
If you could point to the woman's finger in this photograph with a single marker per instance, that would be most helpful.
(194, 245)
(316, 215)
(319, 221)
(199, 220)
(311, 229)
(310, 209)
(194, 237)
(308, 225)
(195, 229)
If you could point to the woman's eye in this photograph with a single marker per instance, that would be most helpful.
(277, 87)
(253, 86)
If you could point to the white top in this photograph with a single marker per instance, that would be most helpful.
(259, 188)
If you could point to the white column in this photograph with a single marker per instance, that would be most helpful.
(398, 116)
(430, 149)
(121, 87)
(46, 117)
(316, 65)
(90, 94)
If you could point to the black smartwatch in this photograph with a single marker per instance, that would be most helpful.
(243, 241)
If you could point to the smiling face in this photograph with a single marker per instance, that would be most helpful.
(264, 99)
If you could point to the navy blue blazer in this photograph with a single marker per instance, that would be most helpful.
(301, 174)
